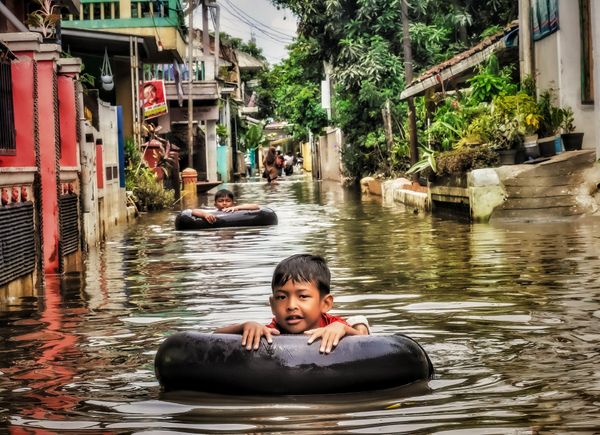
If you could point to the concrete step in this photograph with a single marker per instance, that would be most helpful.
(542, 191)
(538, 213)
(533, 203)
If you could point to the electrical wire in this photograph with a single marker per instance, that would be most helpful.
(258, 23)
(260, 28)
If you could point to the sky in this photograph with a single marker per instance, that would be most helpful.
(272, 28)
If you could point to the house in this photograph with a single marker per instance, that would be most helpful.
(561, 51)
(155, 46)
(40, 217)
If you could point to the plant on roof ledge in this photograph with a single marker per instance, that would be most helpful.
(45, 18)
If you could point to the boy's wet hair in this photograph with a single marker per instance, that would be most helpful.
(224, 193)
(303, 268)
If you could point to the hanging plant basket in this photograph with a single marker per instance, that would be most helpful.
(106, 75)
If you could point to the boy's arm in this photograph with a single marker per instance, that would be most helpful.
(251, 333)
(242, 207)
(208, 217)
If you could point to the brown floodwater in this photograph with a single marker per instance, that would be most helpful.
(508, 313)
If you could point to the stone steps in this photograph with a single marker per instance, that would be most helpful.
(545, 190)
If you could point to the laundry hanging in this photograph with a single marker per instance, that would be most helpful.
(106, 75)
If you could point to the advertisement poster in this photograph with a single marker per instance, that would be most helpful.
(154, 98)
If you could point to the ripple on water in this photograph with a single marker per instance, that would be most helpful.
(506, 313)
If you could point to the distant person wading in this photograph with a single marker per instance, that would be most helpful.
(271, 171)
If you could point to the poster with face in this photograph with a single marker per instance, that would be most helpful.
(154, 99)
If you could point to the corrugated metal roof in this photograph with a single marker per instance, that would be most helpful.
(459, 63)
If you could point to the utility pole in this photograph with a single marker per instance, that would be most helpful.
(408, 74)
(190, 133)
(526, 58)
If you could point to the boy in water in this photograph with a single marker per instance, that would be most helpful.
(300, 302)
(224, 201)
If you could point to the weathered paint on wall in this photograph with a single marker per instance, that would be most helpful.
(23, 113)
(68, 119)
(47, 170)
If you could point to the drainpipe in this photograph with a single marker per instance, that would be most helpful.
(86, 191)
(13, 20)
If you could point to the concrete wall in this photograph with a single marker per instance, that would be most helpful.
(329, 153)
(114, 198)
(558, 66)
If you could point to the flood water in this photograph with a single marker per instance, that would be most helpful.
(509, 315)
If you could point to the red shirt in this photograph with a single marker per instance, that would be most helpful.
(326, 319)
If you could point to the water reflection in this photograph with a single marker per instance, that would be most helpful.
(506, 312)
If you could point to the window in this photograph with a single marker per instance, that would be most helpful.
(7, 124)
(587, 60)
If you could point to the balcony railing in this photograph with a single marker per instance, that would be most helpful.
(167, 72)
(144, 12)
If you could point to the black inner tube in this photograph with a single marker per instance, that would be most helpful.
(218, 363)
(243, 218)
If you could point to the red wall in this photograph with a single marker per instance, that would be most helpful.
(22, 83)
(68, 121)
(100, 166)
(48, 165)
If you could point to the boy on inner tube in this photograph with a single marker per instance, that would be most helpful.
(224, 201)
(300, 302)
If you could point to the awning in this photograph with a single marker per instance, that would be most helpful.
(94, 42)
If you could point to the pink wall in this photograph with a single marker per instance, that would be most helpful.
(22, 83)
(68, 121)
(47, 168)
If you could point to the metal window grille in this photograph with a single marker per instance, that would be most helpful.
(17, 242)
(69, 223)
(7, 123)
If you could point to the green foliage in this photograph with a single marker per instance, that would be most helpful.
(148, 192)
(568, 120)
(490, 82)
(292, 89)
(222, 133)
(255, 137)
(427, 161)
(551, 115)
(362, 40)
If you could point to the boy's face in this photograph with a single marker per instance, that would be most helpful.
(223, 202)
(297, 306)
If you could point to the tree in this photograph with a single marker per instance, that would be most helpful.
(362, 39)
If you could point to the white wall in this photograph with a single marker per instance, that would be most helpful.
(558, 66)
(596, 48)
(114, 204)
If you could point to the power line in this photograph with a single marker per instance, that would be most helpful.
(260, 28)
(250, 17)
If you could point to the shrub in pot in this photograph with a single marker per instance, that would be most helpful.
(571, 141)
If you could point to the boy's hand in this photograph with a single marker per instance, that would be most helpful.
(330, 336)
(230, 209)
(251, 333)
(211, 219)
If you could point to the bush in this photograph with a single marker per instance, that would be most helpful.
(464, 159)
(148, 192)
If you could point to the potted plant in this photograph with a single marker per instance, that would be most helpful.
(572, 141)
(551, 120)
(45, 20)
